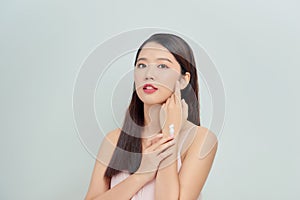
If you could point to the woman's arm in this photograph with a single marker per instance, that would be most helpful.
(99, 187)
(124, 190)
(167, 179)
(167, 183)
(197, 164)
(189, 182)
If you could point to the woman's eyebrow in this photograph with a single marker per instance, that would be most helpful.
(142, 59)
(166, 59)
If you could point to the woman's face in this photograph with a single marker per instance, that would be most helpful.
(155, 74)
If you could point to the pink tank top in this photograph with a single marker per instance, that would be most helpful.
(148, 190)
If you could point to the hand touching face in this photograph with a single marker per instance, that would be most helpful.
(174, 112)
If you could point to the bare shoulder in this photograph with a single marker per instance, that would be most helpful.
(113, 136)
(108, 146)
(203, 132)
(205, 142)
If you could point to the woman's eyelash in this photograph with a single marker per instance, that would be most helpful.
(161, 66)
(139, 65)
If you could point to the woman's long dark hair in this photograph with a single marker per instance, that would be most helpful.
(127, 155)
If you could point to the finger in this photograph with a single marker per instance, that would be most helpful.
(164, 155)
(157, 138)
(165, 146)
(174, 99)
(153, 139)
(183, 104)
(167, 102)
(154, 146)
(185, 110)
(163, 108)
(186, 106)
(177, 91)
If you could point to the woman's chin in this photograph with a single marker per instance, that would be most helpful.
(152, 102)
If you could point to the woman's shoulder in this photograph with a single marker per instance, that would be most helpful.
(108, 146)
(200, 132)
(113, 136)
(196, 139)
(204, 132)
(204, 141)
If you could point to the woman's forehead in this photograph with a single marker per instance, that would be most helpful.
(156, 51)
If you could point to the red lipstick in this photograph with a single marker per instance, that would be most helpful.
(149, 89)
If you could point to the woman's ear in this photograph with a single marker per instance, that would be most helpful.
(184, 80)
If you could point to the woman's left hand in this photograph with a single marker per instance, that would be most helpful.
(174, 111)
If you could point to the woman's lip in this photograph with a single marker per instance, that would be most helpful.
(149, 89)
(149, 85)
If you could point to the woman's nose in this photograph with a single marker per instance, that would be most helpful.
(150, 73)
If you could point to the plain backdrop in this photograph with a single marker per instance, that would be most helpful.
(254, 44)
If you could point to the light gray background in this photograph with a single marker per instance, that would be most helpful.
(254, 44)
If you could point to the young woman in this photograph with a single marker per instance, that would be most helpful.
(161, 151)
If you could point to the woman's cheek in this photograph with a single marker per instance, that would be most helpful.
(138, 79)
(169, 80)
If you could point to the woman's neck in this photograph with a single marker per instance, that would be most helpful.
(152, 119)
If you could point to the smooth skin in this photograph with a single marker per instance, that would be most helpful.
(99, 187)
(188, 183)
(169, 184)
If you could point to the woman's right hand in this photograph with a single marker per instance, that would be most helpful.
(156, 149)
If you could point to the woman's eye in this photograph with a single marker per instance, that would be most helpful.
(162, 66)
(141, 65)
